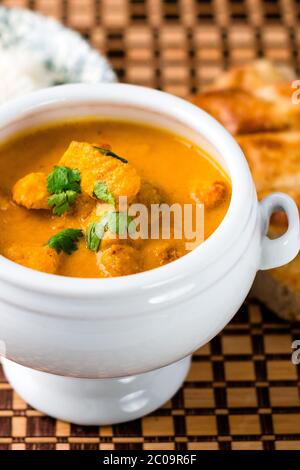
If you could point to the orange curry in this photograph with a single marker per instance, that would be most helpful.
(60, 185)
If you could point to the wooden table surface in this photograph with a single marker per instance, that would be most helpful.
(242, 391)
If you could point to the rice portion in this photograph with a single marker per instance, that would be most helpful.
(21, 72)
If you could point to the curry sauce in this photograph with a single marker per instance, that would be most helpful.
(60, 186)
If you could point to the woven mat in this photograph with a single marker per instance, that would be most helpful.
(242, 391)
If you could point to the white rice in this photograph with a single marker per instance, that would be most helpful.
(21, 72)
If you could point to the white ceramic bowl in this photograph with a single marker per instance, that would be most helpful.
(122, 346)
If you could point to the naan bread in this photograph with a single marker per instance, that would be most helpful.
(241, 112)
(254, 102)
(250, 77)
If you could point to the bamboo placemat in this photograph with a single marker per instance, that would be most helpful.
(243, 390)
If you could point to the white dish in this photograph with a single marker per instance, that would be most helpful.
(123, 345)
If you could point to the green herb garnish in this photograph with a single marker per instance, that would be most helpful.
(62, 179)
(110, 153)
(92, 239)
(62, 202)
(65, 240)
(115, 222)
(64, 185)
(101, 192)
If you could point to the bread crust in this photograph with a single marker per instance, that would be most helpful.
(280, 297)
(231, 108)
(254, 102)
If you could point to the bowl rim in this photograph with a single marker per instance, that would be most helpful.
(188, 114)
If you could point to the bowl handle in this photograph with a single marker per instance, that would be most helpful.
(283, 249)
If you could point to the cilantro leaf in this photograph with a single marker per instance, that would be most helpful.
(63, 178)
(62, 202)
(64, 185)
(94, 234)
(65, 240)
(116, 222)
(110, 153)
(92, 239)
(101, 192)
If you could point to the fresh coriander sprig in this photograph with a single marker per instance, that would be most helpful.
(66, 240)
(92, 239)
(109, 153)
(102, 193)
(116, 222)
(62, 202)
(63, 184)
(63, 178)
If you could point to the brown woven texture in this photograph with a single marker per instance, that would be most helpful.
(242, 391)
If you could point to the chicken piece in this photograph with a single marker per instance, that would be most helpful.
(160, 252)
(111, 239)
(149, 194)
(241, 112)
(40, 258)
(121, 178)
(210, 194)
(31, 191)
(118, 260)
